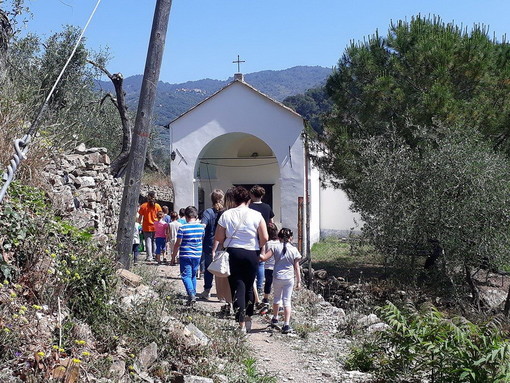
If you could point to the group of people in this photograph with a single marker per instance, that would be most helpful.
(261, 257)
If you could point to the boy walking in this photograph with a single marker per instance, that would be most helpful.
(189, 247)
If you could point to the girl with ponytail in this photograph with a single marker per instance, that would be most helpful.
(286, 269)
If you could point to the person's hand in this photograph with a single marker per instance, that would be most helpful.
(298, 285)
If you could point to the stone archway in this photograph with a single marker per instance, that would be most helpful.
(236, 159)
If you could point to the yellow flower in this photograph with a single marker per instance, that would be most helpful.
(41, 354)
(23, 308)
(17, 286)
(14, 316)
(85, 353)
(77, 276)
(76, 360)
(61, 350)
(54, 347)
(73, 257)
(131, 355)
(80, 342)
(131, 368)
(13, 294)
(68, 272)
(53, 255)
(7, 330)
(37, 307)
(6, 282)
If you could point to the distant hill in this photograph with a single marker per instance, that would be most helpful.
(172, 100)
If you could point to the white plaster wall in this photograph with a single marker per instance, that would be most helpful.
(315, 206)
(335, 216)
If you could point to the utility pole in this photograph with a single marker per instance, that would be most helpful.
(136, 161)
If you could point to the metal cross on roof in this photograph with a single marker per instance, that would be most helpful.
(238, 62)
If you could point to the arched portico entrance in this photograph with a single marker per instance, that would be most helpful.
(237, 159)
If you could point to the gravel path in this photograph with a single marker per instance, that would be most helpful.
(313, 353)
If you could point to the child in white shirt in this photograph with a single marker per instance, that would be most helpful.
(286, 268)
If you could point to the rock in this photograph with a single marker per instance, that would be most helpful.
(129, 278)
(147, 357)
(219, 378)
(196, 379)
(84, 182)
(321, 274)
(80, 149)
(378, 327)
(368, 320)
(117, 369)
(195, 336)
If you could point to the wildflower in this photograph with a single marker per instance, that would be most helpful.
(23, 308)
(37, 307)
(68, 272)
(73, 258)
(41, 354)
(76, 361)
(7, 330)
(17, 286)
(61, 350)
(13, 294)
(6, 282)
(77, 276)
(15, 316)
(53, 255)
(51, 271)
(131, 368)
(80, 342)
(54, 347)
(131, 355)
(85, 353)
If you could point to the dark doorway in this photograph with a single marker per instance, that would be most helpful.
(268, 197)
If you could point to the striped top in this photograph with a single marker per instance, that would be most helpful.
(191, 234)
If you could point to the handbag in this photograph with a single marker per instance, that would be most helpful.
(220, 265)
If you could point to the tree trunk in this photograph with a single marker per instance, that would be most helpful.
(118, 165)
(472, 286)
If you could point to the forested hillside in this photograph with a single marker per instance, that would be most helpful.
(174, 99)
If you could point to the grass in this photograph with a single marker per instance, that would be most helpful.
(351, 259)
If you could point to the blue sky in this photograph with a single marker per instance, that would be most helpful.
(205, 36)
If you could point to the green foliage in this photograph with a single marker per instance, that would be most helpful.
(75, 111)
(427, 345)
(423, 73)
(454, 195)
(313, 105)
(253, 376)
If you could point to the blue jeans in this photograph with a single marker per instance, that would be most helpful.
(160, 245)
(208, 277)
(189, 267)
(260, 276)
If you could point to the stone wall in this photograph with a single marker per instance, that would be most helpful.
(83, 190)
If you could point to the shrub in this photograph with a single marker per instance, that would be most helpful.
(429, 345)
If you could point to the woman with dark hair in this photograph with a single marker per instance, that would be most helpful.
(210, 219)
(243, 232)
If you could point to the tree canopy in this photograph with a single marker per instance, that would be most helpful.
(419, 139)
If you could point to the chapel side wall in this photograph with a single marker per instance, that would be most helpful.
(336, 218)
(315, 206)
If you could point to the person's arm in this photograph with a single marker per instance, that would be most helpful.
(220, 234)
(176, 248)
(266, 256)
(262, 231)
(168, 234)
(297, 273)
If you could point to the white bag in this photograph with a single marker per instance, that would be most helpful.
(220, 266)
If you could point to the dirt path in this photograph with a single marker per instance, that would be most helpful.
(313, 354)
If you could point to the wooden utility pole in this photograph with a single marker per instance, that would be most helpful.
(136, 161)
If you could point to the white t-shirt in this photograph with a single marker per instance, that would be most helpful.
(174, 226)
(246, 236)
(269, 264)
(284, 263)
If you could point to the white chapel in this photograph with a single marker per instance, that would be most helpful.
(240, 136)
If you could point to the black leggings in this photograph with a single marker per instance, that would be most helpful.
(268, 276)
(243, 269)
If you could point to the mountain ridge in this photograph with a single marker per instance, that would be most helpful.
(172, 100)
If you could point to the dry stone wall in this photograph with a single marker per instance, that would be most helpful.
(83, 191)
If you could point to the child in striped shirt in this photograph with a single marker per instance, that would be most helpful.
(189, 247)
